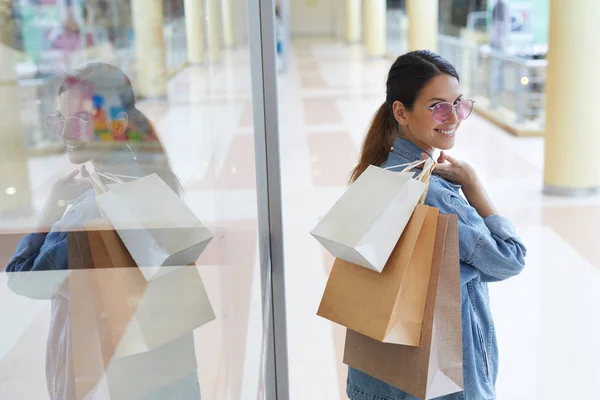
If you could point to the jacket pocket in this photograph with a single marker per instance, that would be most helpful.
(486, 363)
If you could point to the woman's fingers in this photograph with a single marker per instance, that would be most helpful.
(442, 158)
(451, 159)
(442, 168)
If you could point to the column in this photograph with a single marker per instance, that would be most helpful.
(422, 24)
(194, 28)
(151, 63)
(353, 21)
(375, 27)
(214, 41)
(228, 30)
(15, 192)
(572, 165)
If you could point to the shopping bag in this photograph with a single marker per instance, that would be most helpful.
(433, 369)
(357, 228)
(91, 345)
(116, 313)
(387, 306)
(154, 223)
(157, 311)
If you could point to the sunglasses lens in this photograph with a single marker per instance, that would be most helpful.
(464, 109)
(442, 113)
(55, 124)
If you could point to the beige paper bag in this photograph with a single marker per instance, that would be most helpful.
(386, 306)
(357, 228)
(116, 313)
(434, 368)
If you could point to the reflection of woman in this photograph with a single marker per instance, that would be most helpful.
(168, 372)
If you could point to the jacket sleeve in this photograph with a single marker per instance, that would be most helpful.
(489, 245)
(39, 265)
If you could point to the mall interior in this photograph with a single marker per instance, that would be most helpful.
(258, 109)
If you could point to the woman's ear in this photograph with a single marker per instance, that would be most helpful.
(400, 113)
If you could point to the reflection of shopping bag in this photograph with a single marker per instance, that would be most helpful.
(386, 306)
(433, 369)
(156, 226)
(116, 313)
(357, 228)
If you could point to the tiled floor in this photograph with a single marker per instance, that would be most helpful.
(546, 318)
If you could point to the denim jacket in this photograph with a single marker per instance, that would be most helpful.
(490, 251)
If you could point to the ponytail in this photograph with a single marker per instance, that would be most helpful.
(378, 142)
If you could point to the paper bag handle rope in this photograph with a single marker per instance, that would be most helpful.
(100, 187)
(423, 176)
(97, 184)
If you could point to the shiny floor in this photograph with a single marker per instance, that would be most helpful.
(546, 318)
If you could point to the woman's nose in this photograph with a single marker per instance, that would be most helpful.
(454, 116)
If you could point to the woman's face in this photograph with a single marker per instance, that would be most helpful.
(75, 108)
(418, 124)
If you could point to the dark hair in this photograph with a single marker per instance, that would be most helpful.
(109, 80)
(409, 74)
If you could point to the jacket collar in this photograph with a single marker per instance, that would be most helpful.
(408, 149)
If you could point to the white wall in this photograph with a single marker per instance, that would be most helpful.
(315, 17)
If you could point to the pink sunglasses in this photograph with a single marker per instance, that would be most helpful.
(442, 112)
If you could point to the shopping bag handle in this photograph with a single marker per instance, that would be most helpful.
(97, 184)
(427, 169)
(408, 166)
(115, 177)
(101, 187)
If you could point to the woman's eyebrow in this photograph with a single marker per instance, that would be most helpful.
(440, 99)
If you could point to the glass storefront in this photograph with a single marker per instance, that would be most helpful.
(139, 223)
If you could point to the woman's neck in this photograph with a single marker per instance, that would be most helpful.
(427, 149)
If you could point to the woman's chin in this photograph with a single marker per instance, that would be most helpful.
(446, 144)
(79, 156)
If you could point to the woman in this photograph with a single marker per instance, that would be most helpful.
(422, 113)
(39, 268)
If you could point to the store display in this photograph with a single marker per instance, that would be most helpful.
(101, 131)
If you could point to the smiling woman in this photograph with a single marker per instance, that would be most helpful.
(98, 121)
(422, 113)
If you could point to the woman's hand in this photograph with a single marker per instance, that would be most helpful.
(455, 171)
(64, 190)
(461, 173)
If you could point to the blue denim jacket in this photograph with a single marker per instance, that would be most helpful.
(490, 251)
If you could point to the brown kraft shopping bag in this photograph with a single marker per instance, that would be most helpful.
(116, 313)
(387, 306)
(434, 368)
(91, 340)
(144, 315)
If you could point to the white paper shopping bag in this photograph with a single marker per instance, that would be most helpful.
(156, 226)
(364, 225)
